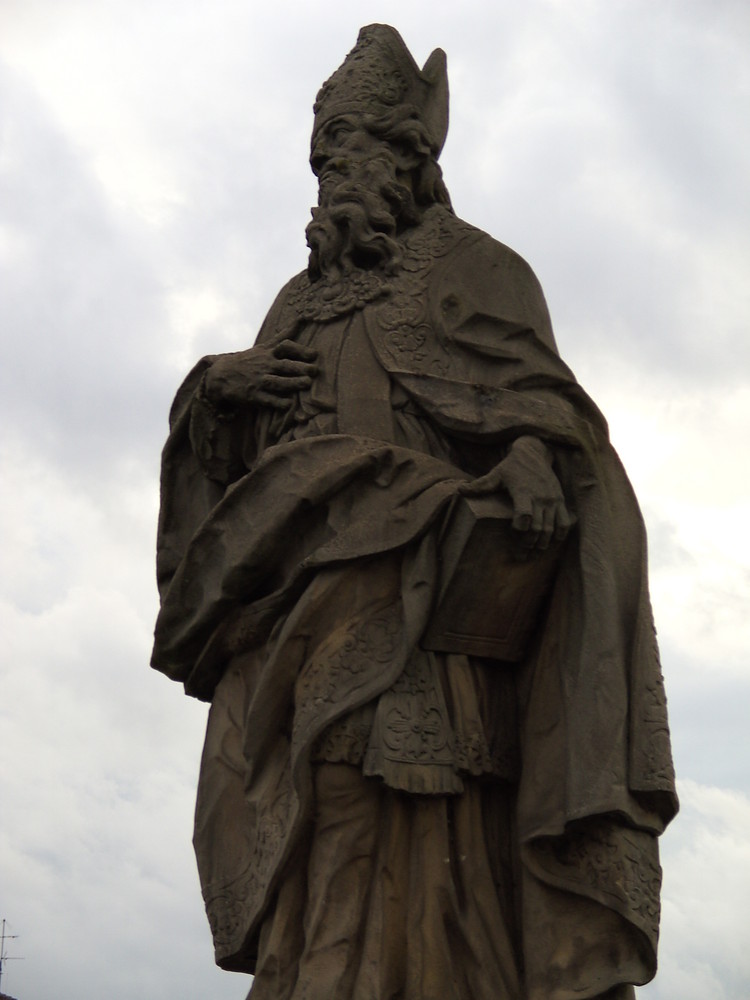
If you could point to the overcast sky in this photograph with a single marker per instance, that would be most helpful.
(154, 191)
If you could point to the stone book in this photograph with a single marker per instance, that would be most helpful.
(491, 589)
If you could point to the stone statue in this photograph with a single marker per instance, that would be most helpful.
(399, 556)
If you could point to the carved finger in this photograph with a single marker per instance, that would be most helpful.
(276, 402)
(539, 508)
(285, 385)
(548, 524)
(287, 366)
(563, 522)
(475, 488)
(489, 483)
(523, 515)
(296, 352)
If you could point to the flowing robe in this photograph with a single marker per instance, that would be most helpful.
(298, 565)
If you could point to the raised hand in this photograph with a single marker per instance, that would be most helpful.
(261, 375)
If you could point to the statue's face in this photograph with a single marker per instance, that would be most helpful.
(343, 144)
(364, 200)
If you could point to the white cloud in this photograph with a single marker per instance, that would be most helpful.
(682, 453)
(706, 857)
(99, 791)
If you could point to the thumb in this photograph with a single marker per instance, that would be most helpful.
(489, 483)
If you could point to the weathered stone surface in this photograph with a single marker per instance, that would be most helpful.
(400, 557)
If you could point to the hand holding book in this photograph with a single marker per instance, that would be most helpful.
(527, 476)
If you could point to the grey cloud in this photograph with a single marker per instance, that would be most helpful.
(615, 168)
(705, 857)
(82, 319)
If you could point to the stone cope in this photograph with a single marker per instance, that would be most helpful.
(399, 557)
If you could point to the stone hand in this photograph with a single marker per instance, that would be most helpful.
(266, 376)
(526, 474)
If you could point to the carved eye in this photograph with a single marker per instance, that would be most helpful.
(338, 131)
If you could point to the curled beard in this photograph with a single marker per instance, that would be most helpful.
(362, 207)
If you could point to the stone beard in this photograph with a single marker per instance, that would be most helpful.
(360, 211)
(402, 796)
(377, 174)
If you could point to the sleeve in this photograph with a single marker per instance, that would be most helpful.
(220, 437)
(207, 450)
(187, 494)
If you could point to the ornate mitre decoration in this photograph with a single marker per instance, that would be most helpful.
(380, 75)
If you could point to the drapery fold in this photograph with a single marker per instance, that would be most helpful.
(275, 557)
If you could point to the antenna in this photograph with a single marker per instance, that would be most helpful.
(3, 957)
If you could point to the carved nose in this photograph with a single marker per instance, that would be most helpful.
(340, 164)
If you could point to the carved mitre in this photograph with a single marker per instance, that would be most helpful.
(380, 75)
